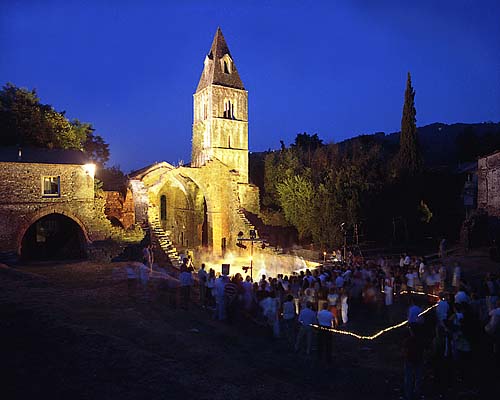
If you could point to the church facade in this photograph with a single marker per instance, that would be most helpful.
(200, 205)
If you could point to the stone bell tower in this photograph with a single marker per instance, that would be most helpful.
(220, 121)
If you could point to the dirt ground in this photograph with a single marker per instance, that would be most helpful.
(70, 331)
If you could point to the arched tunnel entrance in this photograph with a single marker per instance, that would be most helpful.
(53, 237)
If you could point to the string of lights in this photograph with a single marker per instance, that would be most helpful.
(381, 332)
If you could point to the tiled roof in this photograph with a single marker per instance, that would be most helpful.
(41, 155)
(213, 73)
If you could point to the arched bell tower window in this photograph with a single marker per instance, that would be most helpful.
(163, 207)
(226, 64)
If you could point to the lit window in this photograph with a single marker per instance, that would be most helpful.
(51, 186)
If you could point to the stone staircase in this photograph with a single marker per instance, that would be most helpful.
(245, 225)
(161, 238)
(248, 226)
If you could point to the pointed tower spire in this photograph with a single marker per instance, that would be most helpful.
(219, 66)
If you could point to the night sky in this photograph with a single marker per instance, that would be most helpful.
(335, 68)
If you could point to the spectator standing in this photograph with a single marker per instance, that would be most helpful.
(344, 307)
(325, 320)
(185, 281)
(307, 317)
(413, 351)
(413, 314)
(220, 310)
(289, 318)
(147, 256)
(231, 290)
(202, 283)
(211, 287)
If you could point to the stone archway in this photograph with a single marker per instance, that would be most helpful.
(182, 211)
(53, 236)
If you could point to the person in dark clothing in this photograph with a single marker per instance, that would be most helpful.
(413, 353)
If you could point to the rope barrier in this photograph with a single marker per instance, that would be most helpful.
(379, 333)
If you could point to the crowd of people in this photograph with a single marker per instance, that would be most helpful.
(301, 308)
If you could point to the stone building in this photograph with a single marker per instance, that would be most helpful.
(47, 204)
(201, 205)
(488, 188)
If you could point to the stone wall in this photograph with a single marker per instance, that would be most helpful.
(120, 207)
(22, 202)
(187, 189)
(488, 195)
(249, 197)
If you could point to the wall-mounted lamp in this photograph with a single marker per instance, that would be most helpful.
(89, 169)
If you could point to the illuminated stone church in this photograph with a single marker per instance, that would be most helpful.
(201, 205)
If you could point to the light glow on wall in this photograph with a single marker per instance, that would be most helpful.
(90, 169)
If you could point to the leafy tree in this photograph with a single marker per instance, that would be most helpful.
(296, 197)
(305, 146)
(279, 165)
(25, 121)
(94, 145)
(409, 160)
(113, 178)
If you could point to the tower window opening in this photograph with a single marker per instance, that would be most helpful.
(229, 141)
(226, 67)
(228, 109)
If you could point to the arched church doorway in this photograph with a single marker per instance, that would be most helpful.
(204, 226)
(53, 237)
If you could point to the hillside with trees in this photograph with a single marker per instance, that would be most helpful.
(385, 188)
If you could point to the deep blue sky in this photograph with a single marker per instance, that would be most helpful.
(336, 68)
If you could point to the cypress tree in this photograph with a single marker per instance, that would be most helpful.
(409, 157)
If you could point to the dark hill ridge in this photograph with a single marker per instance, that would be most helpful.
(438, 142)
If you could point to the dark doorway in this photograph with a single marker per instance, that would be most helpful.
(204, 227)
(163, 207)
(53, 237)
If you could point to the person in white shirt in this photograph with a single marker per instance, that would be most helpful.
(344, 307)
(388, 290)
(325, 320)
(307, 317)
(410, 280)
(407, 260)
